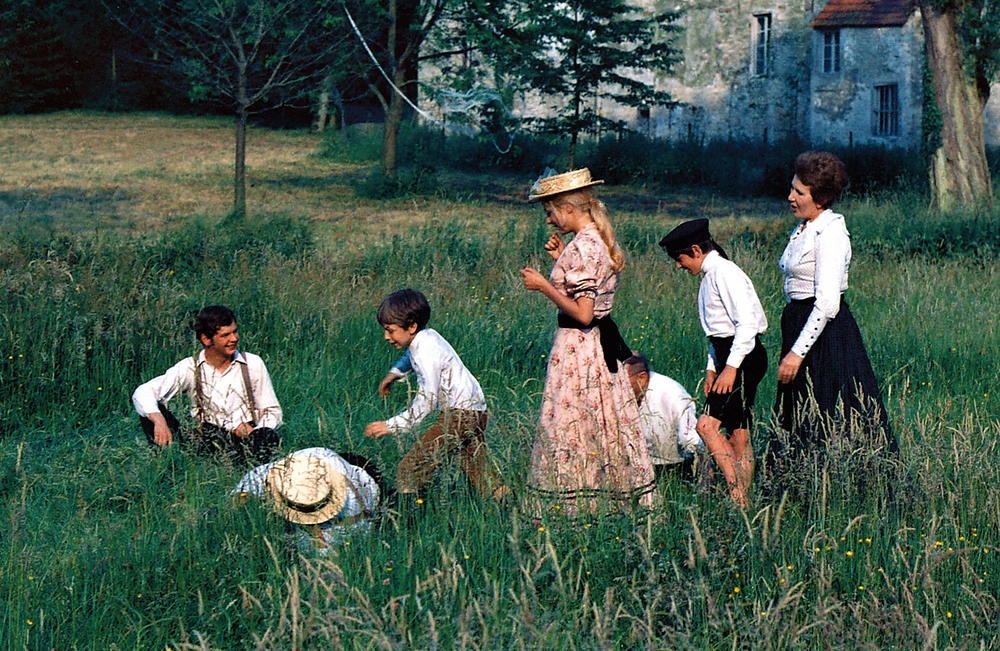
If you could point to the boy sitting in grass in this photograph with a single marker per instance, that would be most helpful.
(445, 384)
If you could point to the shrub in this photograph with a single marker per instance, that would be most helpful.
(199, 243)
(729, 166)
(360, 143)
(419, 180)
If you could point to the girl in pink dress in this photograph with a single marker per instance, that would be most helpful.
(589, 453)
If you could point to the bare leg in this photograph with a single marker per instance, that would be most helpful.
(743, 453)
(722, 452)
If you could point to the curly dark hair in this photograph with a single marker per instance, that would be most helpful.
(824, 174)
(211, 319)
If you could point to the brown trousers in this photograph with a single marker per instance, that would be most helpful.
(455, 430)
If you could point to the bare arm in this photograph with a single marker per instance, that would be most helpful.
(581, 309)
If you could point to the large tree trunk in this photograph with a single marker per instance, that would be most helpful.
(958, 171)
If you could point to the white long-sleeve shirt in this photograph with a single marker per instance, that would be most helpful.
(815, 263)
(224, 397)
(728, 307)
(668, 417)
(443, 381)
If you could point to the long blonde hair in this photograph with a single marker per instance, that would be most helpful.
(584, 200)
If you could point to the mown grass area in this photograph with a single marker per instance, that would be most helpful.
(105, 544)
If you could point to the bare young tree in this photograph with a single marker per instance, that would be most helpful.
(246, 55)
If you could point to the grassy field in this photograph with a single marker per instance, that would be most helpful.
(114, 233)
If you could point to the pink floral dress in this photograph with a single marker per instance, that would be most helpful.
(589, 452)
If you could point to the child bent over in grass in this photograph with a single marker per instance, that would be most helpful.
(733, 319)
(445, 384)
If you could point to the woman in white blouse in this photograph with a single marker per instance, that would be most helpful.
(826, 384)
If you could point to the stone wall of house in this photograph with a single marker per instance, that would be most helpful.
(719, 93)
(843, 104)
(722, 95)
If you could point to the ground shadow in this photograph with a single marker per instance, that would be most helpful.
(72, 209)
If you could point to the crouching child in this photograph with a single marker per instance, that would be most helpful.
(445, 385)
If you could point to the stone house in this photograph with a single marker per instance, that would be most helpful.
(836, 71)
(842, 71)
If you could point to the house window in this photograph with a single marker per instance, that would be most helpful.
(762, 43)
(831, 50)
(886, 104)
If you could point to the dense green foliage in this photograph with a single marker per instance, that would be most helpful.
(105, 544)
(729, 168)
(576, 53)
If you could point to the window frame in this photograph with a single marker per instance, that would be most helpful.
(830, 44)
(885, 110)
(763, 26)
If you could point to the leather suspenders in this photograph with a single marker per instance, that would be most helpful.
(249, 392)
(199, 394)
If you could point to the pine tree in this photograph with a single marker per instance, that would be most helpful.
(35, 71)
(575, 53)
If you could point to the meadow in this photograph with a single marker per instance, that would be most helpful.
(115, 231)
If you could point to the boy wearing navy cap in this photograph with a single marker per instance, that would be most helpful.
(733, 320)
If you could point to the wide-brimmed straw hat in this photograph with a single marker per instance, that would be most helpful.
(547, 186)
(306, 489)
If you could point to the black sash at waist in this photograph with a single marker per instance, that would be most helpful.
(801, 302)
(612, 343)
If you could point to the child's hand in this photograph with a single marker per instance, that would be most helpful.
(532, 279)
(555, 246)
(376, 429)
(709, 382)
(724, 383)
(384, 385)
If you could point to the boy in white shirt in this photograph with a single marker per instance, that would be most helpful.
(733, 320)
(231, 395)
(444, 384)
(668, 417)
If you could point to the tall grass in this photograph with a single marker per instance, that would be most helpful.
(108, 545)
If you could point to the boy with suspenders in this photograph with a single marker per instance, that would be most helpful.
(230, 391)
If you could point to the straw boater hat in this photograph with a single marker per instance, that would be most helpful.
(548, 186)
(306, 489)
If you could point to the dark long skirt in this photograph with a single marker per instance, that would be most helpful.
(835, 394)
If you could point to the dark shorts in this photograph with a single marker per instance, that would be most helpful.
(735, 409)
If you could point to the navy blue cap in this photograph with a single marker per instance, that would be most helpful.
(685, 236)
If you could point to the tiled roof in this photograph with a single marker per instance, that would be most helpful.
(863, 13)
